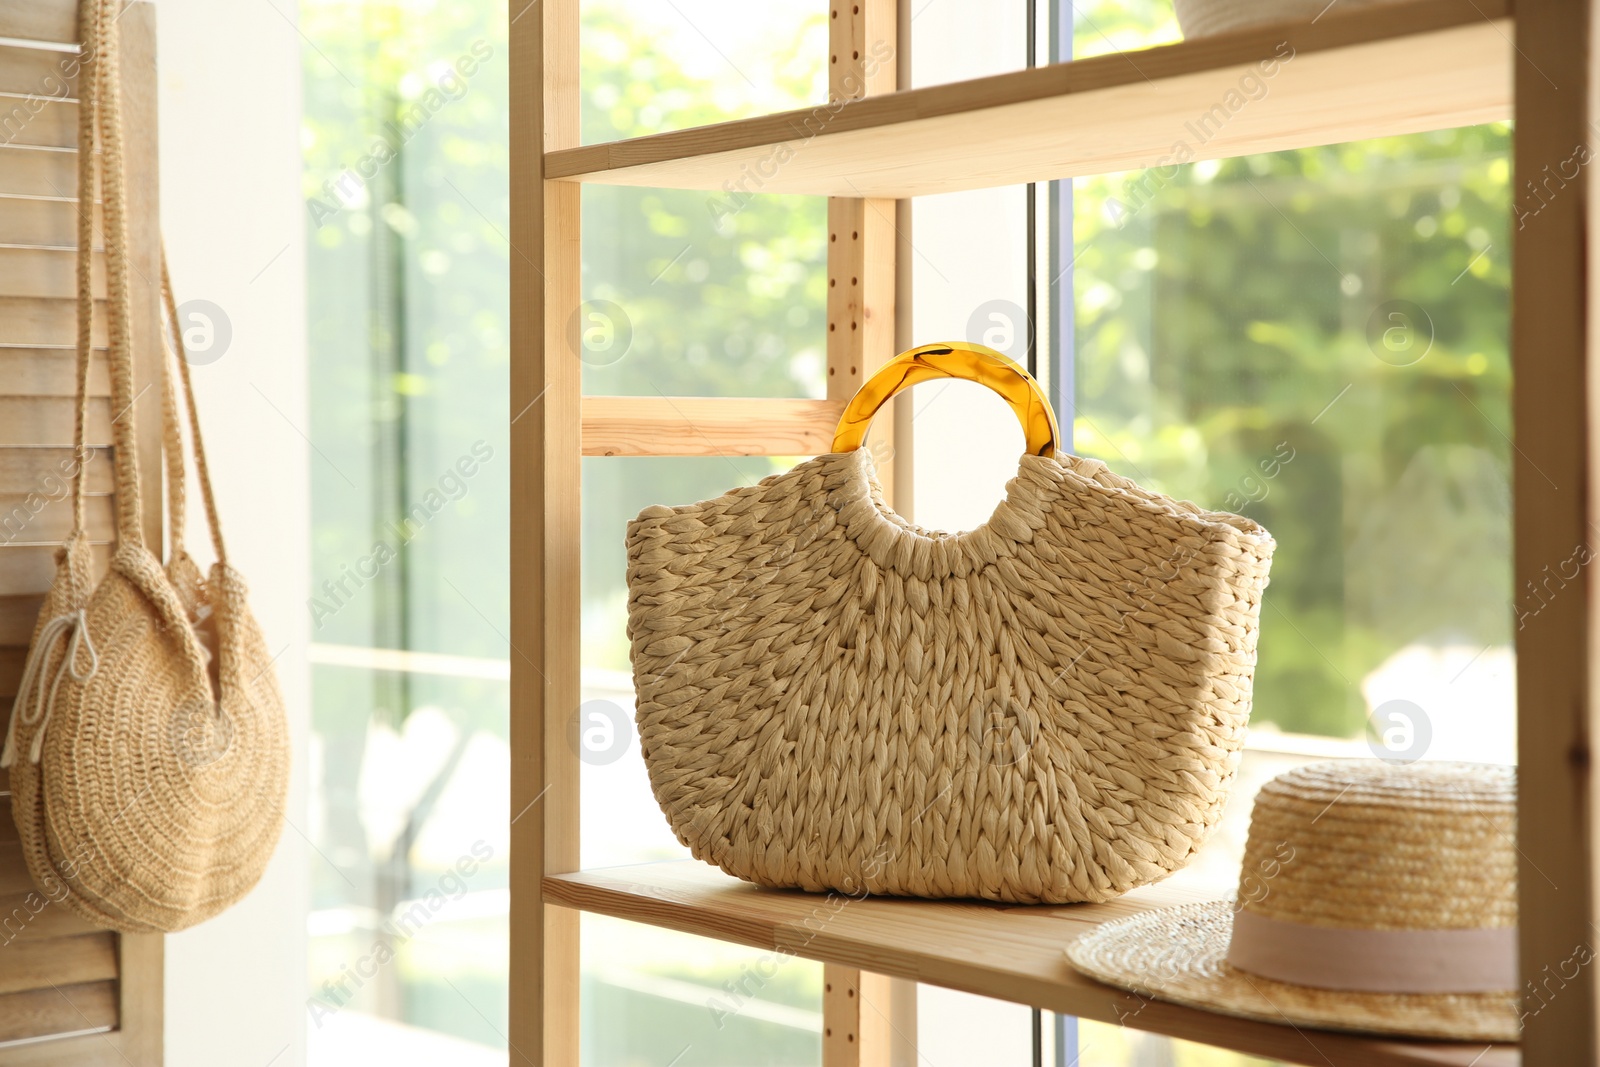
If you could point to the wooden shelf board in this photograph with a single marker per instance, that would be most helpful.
(1377, 71)
(1013, 953)
(708, 426)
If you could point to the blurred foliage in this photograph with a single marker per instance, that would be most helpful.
(649, 68)
(1105, 26)
(408, 313)
(405, 179)
(1232, 314)
(724, 293)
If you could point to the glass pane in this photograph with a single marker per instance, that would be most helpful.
(649, 67)
(1110, 1045)
(716, 293)
(405, 178)
(654, 996)
(1104, 27)
(410, 900)
(1339, 371)
(702, 294)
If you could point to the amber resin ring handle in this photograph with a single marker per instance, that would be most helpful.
(954, 359)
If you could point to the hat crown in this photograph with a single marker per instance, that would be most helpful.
(1365, 844)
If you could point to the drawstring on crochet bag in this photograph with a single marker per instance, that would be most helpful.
(76, 626)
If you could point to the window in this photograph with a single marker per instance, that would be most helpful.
(1316, 338)
(405, 182)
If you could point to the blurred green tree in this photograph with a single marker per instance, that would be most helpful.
(1318, 339)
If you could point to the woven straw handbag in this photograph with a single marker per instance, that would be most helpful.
(1048, 708)
(148, 750)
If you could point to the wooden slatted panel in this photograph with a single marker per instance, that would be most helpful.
(57, 975)
(32, 917)
(52, 21)
(28, 569)
(49, 420)
(67, 1009)
(14, 876)
(44, 321)
(50, 372)
(17, 615)
(38, 121)
(38, 518)
(44, 220)
(11, 660)
(31, 470)
(42, 962)
(37, 72)
(26, 171)
(48, 272)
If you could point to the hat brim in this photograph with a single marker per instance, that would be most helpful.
(1179, 955)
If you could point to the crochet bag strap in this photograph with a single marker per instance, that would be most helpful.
(88, 115)
(100, 109)
(953, 359)
(174, 352)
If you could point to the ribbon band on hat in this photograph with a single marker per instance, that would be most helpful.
(1390, 907)
(1482, 960)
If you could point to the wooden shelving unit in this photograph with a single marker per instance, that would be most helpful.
(707, 426)
(1014, 953)
(1372, 72)
(1358, 73)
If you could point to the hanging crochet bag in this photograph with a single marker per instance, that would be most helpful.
(1048, 708)
(148, 751)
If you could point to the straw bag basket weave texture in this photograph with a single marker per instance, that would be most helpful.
(1048, 708)
(148, 751)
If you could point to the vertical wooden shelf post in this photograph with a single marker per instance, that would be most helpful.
(862, 44)
(546, 443)
(1556, 484)
(862, 60)
(856, 1012)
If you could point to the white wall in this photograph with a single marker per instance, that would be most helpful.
(234, 221)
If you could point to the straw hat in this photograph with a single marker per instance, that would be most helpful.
(1374, 897)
